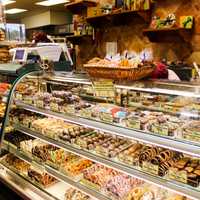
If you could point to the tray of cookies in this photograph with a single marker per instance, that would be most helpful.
(112, 147)
(40, 178)
(74, 168)
(118, 186)
(186, 170)
(73, 194)
(15, 164)
(130, 156)
(92, 140)
(97, 176)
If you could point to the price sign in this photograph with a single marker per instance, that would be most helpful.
(86, 113)
(39, 103)
(150, 168)
(104, 88)
(18, 96)
(54, 107)
(161, 130)
(133, 123)
(178, 175)
(70, 109)
(107, 117)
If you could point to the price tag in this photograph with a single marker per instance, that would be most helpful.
(150, 168)
(54, 107)
(104, 88)
(18, 96)
(4, 99)
(180, 176)
(134, 123)
(86, 113)
(161, 130)
(28, 100)
(107, 117)
(39, 103)
(70, 109)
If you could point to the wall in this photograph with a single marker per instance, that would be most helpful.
(129, 36)
(46, 18)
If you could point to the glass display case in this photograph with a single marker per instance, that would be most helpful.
(107, 140)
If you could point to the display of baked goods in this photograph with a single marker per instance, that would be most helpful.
(131, 155)
(58, 129)
(15, 163)
(126, 60)
(92, 140)
(26, 89)
(75, 167)
(112, 147)
(15, 137)
(186, 170)
(118, 186)
(150, 192)
(40, 177)
(4, 88)
(73, 194)
(98, 175)
(153, 118)
(191, 131)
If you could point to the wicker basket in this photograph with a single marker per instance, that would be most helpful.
(119, 73)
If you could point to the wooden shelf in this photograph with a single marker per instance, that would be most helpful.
(175, 34)
(77, 39)
(120, 17)
(78, 6)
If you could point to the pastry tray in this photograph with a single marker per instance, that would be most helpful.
(40, 185)
(102, 154)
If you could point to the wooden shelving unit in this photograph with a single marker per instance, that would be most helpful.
(76, 39)
(120, 16)
(175, 34)
(78, 6)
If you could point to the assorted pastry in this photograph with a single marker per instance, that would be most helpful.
(112, 147)
(73, 194)
(15, 163)
(186, 170)
(150, 192)
(40, 177)
(161, 118)
(118, 186)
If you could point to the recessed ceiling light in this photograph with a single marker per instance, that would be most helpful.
(6, 2)
(52, 2)
(15, 11)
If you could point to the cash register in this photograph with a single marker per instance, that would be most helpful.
(26, 59)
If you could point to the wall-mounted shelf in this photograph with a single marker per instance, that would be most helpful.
(120, 17)
(76, 39)
(78, 6)
(175, 34)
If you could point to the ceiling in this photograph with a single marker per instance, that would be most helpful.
(31, 7)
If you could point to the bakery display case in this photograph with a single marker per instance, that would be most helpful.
(106, 140)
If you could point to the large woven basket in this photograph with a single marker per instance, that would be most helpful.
(119, 73)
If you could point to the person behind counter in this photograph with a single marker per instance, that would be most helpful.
(40, 37)
(161, 72)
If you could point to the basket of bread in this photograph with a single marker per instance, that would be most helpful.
(119, 69)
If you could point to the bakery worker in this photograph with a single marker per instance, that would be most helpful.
(161, 72)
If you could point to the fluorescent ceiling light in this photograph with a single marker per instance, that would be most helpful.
(7, 2)
(52, 2)
(15, 11)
